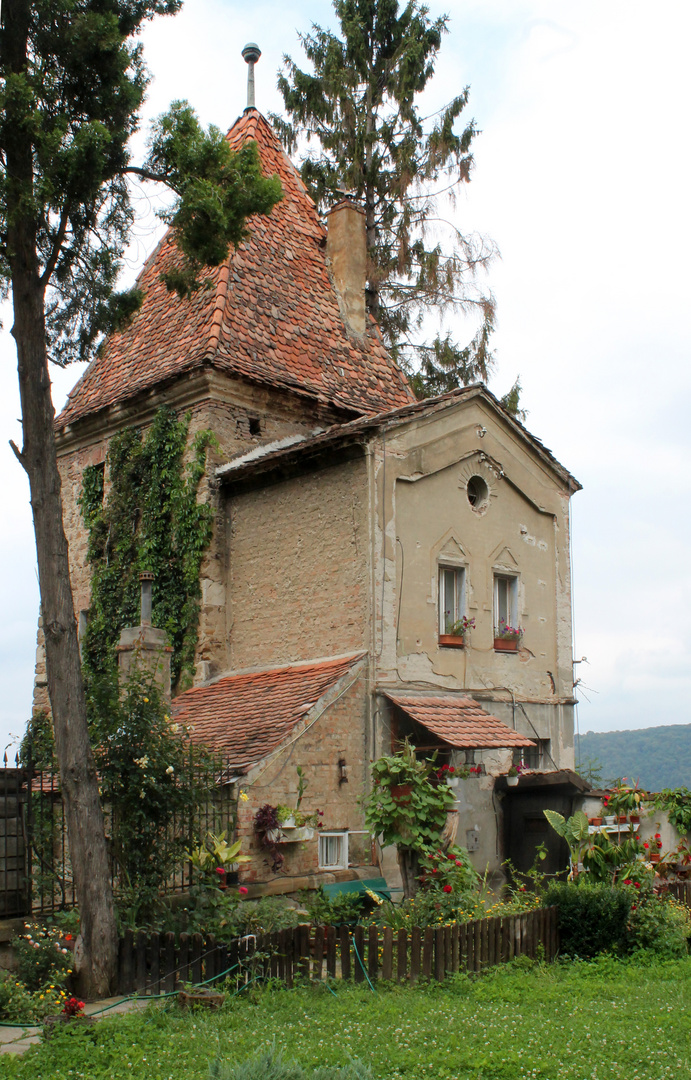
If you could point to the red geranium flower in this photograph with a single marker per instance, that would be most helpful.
(447, 888)
(243, 890)
(220, 870)
(646, 844)
(627, 881)
(636, 884)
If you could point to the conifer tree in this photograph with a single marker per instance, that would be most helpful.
(72, 81)
(360, 104)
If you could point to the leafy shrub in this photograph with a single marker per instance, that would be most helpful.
(662, 925)
(271, 1066)
(448, 871)
(18, 1005)
(42, 956)
(332, 911)
(592, 917)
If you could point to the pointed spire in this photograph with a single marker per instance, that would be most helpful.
(251, 54)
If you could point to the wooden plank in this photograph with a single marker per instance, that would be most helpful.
(233, 958)
(126, 966)
(373, 952)
(448, 967)
(439, 953)
(455, 947)
(210, 958)
(168, 963)
(491, 942)
(140, 977)
(346, 967)
(289, 955)
(359, 950)
(484, 930)
(387, 957)
(331, 952)
(469, 929)
(184, 959)
(318, 952)
(401, 955)
(415, 945)
(304, 945)
(196, 959)
(428, 953)
(477, 945)
(504, 947)
(155, 967)
(463, 947)
(555, 933)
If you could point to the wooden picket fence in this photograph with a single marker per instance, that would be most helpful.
(680, 890)
(159, 964)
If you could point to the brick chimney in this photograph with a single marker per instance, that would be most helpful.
(346, 250)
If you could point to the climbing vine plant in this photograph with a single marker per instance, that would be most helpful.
(146, 517)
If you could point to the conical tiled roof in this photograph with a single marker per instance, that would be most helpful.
(271, 315)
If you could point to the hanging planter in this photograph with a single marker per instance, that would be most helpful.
(401, 793)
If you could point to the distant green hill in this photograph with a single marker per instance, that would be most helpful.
(658, 757)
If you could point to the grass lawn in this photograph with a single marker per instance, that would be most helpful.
(604, 1020)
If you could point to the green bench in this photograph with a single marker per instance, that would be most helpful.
(376, 885)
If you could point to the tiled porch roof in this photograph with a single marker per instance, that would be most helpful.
(271, 315)
(249, 715)
(459, 721)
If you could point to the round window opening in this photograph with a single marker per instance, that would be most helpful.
(477, 492)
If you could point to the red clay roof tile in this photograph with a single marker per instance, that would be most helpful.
(271, 314)
(247, 716)
(459, 721)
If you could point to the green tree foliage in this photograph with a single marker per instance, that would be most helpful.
(360, 103)
(658, 757)
(72, 81)
(149, 520)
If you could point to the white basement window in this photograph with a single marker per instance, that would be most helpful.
(333, 850)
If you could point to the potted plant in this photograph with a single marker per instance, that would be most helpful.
(624, 799)
(513, 775)
(507, 638)
(455, 632)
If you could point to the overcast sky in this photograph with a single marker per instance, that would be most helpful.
(582, 179)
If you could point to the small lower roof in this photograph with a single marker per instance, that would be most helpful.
(247, 715)
(459, 721)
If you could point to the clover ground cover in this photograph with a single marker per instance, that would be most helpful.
(601, 1020)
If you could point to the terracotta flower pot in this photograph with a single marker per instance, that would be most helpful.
(401, 793)
(595, 821)
(451, 641)
(621, 820)
(635, 819)
(502, 644)
(655, 857)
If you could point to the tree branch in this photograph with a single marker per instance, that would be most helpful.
(18, 454)
(57, 246)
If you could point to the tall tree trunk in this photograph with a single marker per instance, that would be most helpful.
(96, 952)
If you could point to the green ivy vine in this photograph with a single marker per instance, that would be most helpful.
(146, 518)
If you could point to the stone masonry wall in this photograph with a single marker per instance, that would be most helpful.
(339, 732)
(298, 575)
(238, 428)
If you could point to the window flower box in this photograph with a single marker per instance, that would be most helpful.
(451, 641)
(502, 644)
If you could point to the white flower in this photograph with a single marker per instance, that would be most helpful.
(142, 762)
(170, 770)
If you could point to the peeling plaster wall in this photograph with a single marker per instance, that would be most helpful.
(298, 568)
(420, 477)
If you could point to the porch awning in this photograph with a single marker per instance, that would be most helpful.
(459, 721)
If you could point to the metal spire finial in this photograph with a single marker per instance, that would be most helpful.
(251, 54)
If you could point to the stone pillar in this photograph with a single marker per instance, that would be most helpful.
(145, 645)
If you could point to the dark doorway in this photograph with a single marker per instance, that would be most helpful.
(526, 827)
